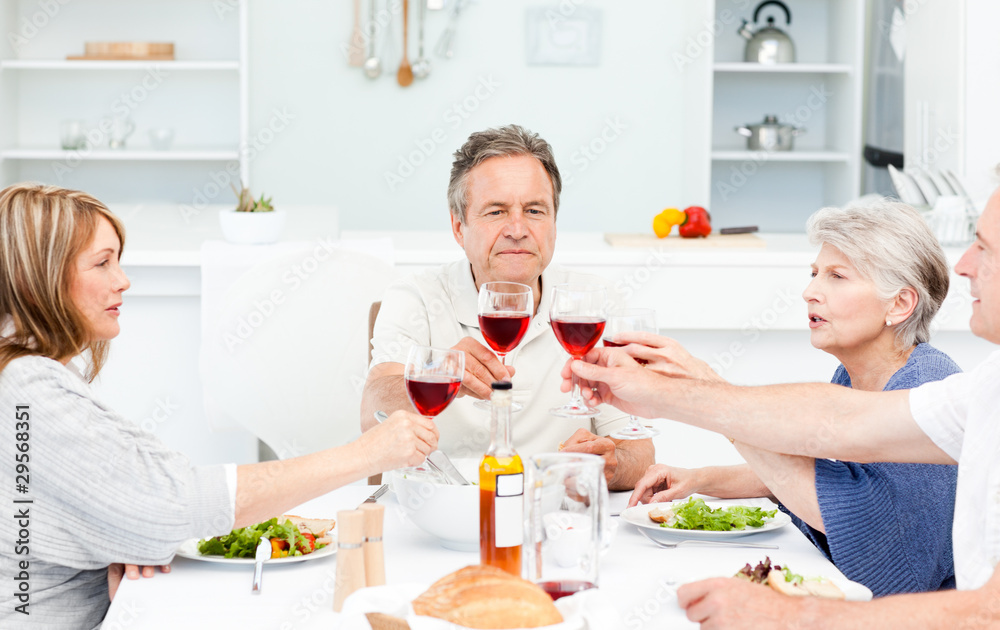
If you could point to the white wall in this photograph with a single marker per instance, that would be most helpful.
(348, 131)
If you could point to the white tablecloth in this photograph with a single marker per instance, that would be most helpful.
(635, 577)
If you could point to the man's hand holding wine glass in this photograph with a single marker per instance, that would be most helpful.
(482, 369)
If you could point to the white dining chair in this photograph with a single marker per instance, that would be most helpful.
(286, 357)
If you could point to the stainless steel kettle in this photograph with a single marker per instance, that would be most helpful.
(768, 44)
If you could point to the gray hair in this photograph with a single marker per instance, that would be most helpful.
(893, 247)
(509, 140)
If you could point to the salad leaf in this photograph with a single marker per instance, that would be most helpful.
(696, 514)
(242, 542)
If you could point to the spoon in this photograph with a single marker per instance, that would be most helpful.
(422, 66)
(372, 66)
(405, 74)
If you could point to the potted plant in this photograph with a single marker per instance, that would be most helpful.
(253, 220)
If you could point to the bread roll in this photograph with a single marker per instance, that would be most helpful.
(481, 596)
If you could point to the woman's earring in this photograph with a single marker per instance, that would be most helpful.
(888, 322)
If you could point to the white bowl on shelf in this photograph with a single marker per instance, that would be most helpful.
(251, 228)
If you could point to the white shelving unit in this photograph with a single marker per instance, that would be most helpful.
(821, 92)
(202, 96)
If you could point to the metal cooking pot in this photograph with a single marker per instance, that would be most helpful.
(770, 135)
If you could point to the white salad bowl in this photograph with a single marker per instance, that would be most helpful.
(448, 512)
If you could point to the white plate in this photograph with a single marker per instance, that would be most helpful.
(189, 549)
(853, 591)
(639, 516)
(906, 189)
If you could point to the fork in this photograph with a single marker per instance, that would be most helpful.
(375, 495)
(711, 543)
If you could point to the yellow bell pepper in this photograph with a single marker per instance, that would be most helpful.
(664, 222)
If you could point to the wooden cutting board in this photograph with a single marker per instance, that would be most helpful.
(712, 240)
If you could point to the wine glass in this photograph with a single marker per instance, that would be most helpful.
(433, 377)
(504, 313)
(631, 320)
(578, 315)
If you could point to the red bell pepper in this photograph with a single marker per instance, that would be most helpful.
(698, 223)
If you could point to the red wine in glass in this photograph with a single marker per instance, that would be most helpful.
(564, 588)
(578, 335)
(430, 394)
(503, 331)
(610, 344)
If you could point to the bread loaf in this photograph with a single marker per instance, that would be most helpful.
(481, 596)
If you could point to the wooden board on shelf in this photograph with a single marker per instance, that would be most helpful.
(119, 58)
(121, 51)
(712, 240)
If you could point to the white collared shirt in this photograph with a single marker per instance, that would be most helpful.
(961, 414)
(441, 306)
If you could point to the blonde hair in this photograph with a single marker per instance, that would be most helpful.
(890, 244)
(43, 230)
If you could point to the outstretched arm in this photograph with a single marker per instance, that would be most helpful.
(731, 603)
(808, 419)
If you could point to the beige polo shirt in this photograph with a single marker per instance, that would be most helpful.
(438, 308)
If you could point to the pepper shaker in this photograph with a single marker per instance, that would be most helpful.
(374, 556)
(350, 556)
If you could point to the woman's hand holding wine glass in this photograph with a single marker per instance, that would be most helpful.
(630, 320)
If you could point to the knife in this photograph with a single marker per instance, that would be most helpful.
(263, 555)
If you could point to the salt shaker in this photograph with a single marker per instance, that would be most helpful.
(350, 556)
(374, 557)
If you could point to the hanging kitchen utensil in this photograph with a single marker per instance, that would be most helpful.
(405, 74)
(422, 66)
(356, 49)
(443, 47)
(373, 67)
(769, 44)
(770, 135)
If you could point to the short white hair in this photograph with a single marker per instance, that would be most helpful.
(891, 245)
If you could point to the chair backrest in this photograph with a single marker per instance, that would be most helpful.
(287, 359)
(372, 316)
(374, 480)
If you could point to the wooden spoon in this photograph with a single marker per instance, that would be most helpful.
(405, 74)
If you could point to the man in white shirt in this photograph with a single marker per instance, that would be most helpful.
(503, 197)
(956, 420)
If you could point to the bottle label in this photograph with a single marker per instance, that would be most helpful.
(509, 510)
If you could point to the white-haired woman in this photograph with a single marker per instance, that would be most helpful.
(103, 491)
(878, 280)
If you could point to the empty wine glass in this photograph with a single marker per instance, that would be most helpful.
(433, 377)
(504, 313)
(630, 320)
(578, 314)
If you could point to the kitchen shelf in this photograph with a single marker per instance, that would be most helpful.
(207, 155)
(786, 68)
(780, 156)
(64, 64)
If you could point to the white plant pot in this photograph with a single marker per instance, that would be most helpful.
(249, 228)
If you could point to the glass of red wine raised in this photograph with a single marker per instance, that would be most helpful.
(433, 377)
(504, 313)
(578, 314)
(631, 320)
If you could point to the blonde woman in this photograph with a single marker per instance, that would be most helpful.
(102, 490)
(877, 282)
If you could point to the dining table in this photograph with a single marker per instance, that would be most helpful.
(636, 585)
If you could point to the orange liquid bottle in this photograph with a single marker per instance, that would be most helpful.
(501, 491)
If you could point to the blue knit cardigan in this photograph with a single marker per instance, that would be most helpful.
(888, 526)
